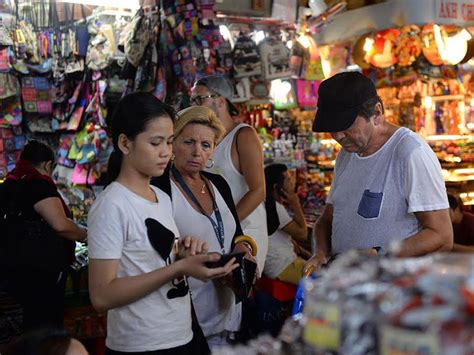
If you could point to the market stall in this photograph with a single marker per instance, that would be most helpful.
(63, 68)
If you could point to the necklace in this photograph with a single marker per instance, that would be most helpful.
(203, 189)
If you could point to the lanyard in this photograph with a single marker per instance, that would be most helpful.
(217, 226)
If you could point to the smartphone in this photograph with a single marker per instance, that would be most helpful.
(225, 258)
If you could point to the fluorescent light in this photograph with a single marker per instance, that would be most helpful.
(122, 4)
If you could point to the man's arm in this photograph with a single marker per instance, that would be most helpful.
(322, 234)
(436, 235)
(250, 155)
(459, 248)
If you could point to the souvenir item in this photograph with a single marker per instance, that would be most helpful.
(359, 53)
(275, 57)
(429, 45)
(382, 53)
(312, 68)
(241, 90)
(83, 175)
(36, 95)
(296, 59)
(4, 61)
(100, 52)
(5, 36)
(137, 37)
(245, 58)
(9, 85)
(408, 45)
(337, 59)
(307, 93)
(283, 94)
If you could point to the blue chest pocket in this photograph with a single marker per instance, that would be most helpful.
(370, 203)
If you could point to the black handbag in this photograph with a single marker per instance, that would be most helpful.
(27, 240)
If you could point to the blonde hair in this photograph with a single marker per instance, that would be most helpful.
(199, 115)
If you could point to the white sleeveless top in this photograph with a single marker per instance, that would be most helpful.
(215, 304)
(255, 225)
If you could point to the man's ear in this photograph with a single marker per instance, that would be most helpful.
(222, 102)
(378, 116)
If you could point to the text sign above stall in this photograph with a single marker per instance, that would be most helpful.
(454, 11)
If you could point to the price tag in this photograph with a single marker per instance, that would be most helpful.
(397, 341)
(322, 329)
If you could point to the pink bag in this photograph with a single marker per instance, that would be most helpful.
(307, 91)
(83, 174)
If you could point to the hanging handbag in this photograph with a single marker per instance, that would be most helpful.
(137, 38)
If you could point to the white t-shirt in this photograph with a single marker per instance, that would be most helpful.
(375, 198)
(117, 230)
(280, 248)
(214, 304)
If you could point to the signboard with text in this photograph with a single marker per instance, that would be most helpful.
(454, 11)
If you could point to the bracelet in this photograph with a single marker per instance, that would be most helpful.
(248, 240)
(249, 247)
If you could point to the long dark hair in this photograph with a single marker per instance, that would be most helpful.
(274, 179)
(37, 152)
(131, 117)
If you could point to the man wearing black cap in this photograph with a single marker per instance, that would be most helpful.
(238, 158)
(387, 182)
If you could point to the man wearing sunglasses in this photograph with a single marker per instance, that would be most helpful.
(238, 158)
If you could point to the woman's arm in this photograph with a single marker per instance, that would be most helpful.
(107, 291)
(297, 227)
(52, 211)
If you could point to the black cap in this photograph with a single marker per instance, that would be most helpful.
(340, 100)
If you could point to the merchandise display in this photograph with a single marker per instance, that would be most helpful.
(64, 68)
(371, 305)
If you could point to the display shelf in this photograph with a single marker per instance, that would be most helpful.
(458, 175)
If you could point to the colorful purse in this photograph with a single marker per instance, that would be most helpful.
(11, 115)
(307, 92)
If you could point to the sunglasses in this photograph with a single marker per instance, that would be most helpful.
(198, 100)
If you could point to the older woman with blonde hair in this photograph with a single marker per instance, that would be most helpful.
(203, 207)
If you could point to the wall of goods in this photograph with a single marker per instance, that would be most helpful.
(60, 77)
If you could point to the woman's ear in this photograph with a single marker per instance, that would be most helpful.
(124, 144)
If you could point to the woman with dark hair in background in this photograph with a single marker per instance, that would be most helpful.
(282, 261)
(38, 237)
(46, 342)
(138, 266)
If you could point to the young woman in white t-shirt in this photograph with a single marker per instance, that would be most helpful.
(138, 265)
(282, 261)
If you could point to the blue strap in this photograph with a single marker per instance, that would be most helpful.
(219, 226)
